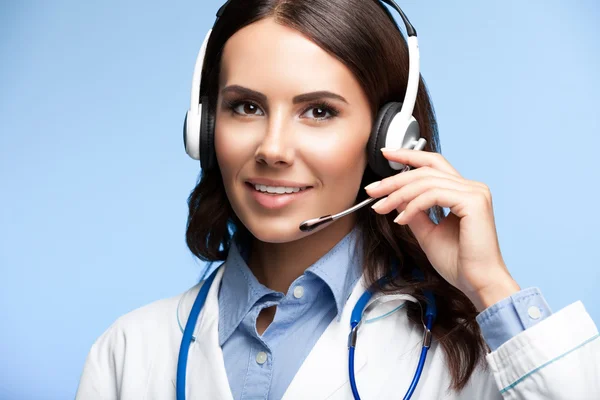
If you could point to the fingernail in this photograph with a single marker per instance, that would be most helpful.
(379, 203)
(384, 149)
(372, 185)
(398, 217)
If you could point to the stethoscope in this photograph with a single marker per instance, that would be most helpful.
(359, 312)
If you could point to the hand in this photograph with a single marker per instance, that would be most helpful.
(463, 247)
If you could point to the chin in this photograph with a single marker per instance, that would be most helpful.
(275, 230)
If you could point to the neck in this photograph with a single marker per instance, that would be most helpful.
(277, 265)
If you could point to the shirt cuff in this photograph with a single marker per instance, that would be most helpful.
(512, 315)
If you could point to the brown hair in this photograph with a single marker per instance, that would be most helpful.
(362, 35)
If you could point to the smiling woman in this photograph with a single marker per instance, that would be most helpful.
(296, 100)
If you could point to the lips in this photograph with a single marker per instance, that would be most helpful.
(275, 201)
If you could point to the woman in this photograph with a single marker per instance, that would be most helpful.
(292, 91)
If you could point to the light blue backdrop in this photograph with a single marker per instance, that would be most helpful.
(94, 178)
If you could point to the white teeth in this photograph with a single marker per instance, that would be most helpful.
(278, 189)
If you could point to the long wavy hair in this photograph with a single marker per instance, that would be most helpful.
(363, 35)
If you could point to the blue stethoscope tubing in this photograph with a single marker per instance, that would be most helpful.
(355, 318)
(187, 338)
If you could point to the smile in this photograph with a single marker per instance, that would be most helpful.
(276, 197)
(278, 189)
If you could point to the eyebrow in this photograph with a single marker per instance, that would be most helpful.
(301, 98)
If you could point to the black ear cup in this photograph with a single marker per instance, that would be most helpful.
(185, 132)
(378, 163)
(207, 134)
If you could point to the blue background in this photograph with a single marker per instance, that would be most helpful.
(94, 177)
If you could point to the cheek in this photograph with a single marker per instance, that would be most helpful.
(230, 149)
(341, 160)
(225, 152)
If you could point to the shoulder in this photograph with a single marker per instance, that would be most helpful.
(155, 317)
(138, 344)
(140, 333)
(160, 319)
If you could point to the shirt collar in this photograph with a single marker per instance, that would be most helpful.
(340, 268)
(239, 291)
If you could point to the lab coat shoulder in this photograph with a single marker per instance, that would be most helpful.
(141, 344)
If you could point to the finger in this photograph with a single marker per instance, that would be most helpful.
(457, 201)
(392, 183)
(419, 159)
(408, 193)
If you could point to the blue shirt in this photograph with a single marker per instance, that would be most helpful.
(263, 366)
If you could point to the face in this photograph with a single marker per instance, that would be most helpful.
(292, 126)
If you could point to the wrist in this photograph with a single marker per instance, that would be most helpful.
(494, 293)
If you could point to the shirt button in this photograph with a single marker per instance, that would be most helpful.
(298, 292)
(534, 312)
(261, 357)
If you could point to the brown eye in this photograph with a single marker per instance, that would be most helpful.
(250, 108)
(319, 113)
(247, 109)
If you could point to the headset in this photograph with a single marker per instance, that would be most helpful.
(394, 127)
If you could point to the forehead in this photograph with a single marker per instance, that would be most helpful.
(271, 57)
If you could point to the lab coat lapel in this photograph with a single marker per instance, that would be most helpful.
(206, 375)
(325, 370)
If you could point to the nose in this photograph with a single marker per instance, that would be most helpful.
(276, 147)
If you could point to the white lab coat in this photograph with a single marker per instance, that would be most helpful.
(136, 358)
